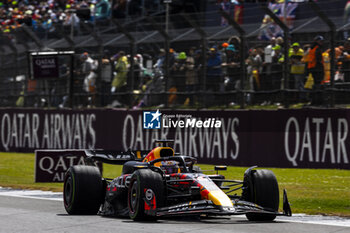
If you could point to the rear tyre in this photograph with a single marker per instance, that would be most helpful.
(144, 181)
(262, 189)
(82, 190)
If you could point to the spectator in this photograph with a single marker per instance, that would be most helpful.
(224, 57)
(232, 65)
(121, 68)
(88, 69)
(198, 62)
(214, 70)
(345, 60)
(160, 60)
(346, 17)
(178, 79)
(106, 76)
(191, 75)
(225, 5)
(27, 19)
(102, 10)
(138, 71)
(71, 22)
(236, 42)
(265, 77)
(254, 68)
(339, 75)
(297, 67)
(119, 9)
(276, 68)
(83, 11)
(214, 75)
(135, 7)
(315, 67)
(280, 41)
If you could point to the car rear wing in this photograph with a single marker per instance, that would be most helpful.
(114, 157)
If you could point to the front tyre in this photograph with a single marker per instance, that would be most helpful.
(262, 189)
(83, 190)
(145, 194)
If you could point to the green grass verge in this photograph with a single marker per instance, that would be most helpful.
(311, 191)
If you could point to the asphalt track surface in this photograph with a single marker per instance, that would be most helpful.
(18, 214)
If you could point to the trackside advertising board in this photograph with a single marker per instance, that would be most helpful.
(51, 165)
(45, 67)
(305, 138)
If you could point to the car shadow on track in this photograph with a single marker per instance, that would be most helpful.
(204, 220)
(187, 220)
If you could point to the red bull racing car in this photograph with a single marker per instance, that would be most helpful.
(162, 184)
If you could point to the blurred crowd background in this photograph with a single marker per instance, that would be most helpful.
(153, 53)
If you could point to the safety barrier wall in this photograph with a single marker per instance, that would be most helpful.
(305, 138)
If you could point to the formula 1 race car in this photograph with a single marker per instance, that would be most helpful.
(163, 184)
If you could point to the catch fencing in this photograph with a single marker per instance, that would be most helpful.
(177, 83)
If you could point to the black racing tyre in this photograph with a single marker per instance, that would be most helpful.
(262, 190)
(82, 190)
(143, 181)
(130, 166)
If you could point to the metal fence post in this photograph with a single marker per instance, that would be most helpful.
(333, 30)
(132, 55)
(32, 35)
(14, 49)
(67, 38)
(71, 83)
(242, 53)
(99, 41)
(204, 44)
(166, 37)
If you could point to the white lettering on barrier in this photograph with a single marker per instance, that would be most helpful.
(14, 133)
(52, 131)
(306, 143)
(27, 139)
(61, 164)
(192, 143)
(200, 142)
(51, 164)
(178, 147)
(35, 125)
(92, 133)
(58, 177)
(139, 135)
(313, 141)
(341, 150)
(128, 132)
(5, 127)
(286, 140)
(235, 139)
(20, 118)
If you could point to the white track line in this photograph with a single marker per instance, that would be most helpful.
(316, 219)
(35, 194)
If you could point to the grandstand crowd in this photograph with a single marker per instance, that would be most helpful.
(41, 15)
(309, 66)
